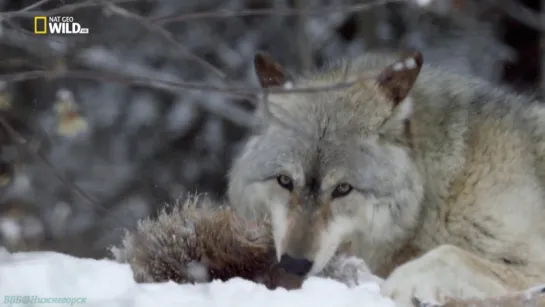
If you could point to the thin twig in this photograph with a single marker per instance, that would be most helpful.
(25, 13)
(165, 34)
(523, 14)
(106, 62)
(273, 11)
(174, 86)
(35, 5)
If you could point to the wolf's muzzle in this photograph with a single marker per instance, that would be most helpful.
(296, 266)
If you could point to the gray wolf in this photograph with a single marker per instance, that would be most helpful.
(435, 179)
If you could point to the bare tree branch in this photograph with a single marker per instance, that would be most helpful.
(171, 85)
(33, 6)
(165, 34)
(523, 14)
(274, 11)
(27, 13)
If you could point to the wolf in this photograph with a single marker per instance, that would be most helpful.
(436, 180)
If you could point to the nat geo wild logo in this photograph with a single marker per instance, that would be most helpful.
(57, 25)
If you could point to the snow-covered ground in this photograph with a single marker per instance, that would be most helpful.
(48, 275)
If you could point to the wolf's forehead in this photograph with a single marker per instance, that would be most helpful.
(355, 160)
(332, 113)
(324, 161)
(361, 163)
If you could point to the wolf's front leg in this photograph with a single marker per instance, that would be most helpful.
(446, 272)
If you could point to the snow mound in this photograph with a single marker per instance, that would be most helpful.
(55, 279)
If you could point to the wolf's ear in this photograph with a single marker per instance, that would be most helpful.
(397, 79)
(268, 71)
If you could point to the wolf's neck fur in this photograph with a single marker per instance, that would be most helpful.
(381, 260)
(439, 153)
(454, 106)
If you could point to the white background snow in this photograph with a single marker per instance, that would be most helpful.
(107, 283)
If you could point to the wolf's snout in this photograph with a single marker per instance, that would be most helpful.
(296, 266)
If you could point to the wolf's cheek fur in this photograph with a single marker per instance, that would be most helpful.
(396, 191)
(263, 198)
(350, 215)
(336, 231)
(381, 220)
(280, 224)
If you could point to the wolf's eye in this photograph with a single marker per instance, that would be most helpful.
(341, 190)
(285, 182)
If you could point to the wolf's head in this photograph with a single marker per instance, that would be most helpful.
(329, 165)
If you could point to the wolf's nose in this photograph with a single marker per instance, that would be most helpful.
(296, 266)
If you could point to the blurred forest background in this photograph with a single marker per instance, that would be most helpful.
(100, 130)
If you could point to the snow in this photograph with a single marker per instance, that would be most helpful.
(423, 2)
(108, 283)
(10, 229)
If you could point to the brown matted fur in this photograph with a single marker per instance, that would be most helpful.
(198, 242)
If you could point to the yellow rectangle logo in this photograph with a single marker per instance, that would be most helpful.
(40, 21)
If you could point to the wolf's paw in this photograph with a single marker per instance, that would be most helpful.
(411, 284)
(443, 273)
